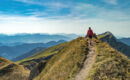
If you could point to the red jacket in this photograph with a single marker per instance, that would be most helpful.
(89, 33)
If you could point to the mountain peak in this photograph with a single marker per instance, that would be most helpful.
(114, 43)
(107, 33)
(107, 37)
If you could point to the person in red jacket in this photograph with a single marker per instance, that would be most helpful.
(90, 33)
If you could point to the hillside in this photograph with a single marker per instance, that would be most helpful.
(75, 56)
(45, 55)
(12, 71)
(88, 62)
(109, 64)
(6, 51)
(115, 43)
(78, 60)
(67, 62)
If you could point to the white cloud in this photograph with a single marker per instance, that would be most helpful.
(113, 2)
(21, 24)
(79, 10)
(89, 11)
(82, 16)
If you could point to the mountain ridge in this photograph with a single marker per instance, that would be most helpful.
(60, 65)
(67, 60)
(115, 43)
(88, 63)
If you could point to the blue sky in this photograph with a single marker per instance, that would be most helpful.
(65, 16)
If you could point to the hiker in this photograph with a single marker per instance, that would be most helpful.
(90, 35)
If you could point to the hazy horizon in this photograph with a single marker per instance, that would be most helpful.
(14, 34)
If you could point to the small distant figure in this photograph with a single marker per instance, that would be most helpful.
(90, 33)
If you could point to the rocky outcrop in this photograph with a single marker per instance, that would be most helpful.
(30, 64)
(37, 70)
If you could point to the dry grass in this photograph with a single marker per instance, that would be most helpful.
(66, 63)
(109, 65)
(43, 54)
(12, 71)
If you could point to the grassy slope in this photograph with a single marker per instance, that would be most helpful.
(109, 65)
(12, 71)
(115, 43)
(66, 63)
(3, 62)
(43, 54)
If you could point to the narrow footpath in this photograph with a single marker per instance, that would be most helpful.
(90, 59)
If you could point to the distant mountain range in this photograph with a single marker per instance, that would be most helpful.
(10, 52)
(11, 44)
(125, 40)
(28, 54)
(18, 39)
(9, 40)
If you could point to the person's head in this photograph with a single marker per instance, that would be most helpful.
(89, 27)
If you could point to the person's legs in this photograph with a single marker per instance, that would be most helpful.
(90, 39)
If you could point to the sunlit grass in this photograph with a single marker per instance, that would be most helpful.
(110, 64)
(66, 64)
(12, 71)
(47, 52)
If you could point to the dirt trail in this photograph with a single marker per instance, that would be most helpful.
(90, 58)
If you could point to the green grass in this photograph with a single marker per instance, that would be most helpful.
(50, 51)
(102, 36)
(66, 63)
(110, 64)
